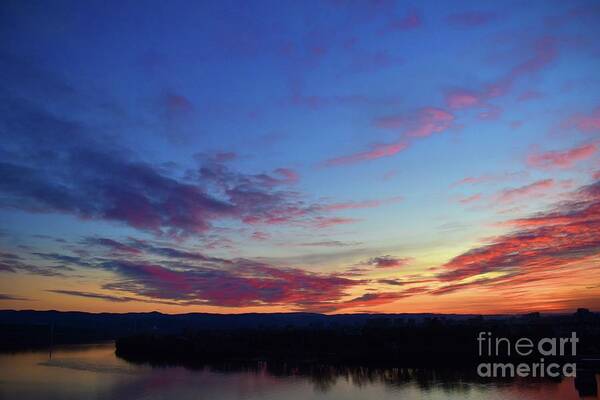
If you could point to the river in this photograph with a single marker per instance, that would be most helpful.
(94, 372)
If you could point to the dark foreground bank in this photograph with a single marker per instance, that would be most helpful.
(409, 339)
(431, 341)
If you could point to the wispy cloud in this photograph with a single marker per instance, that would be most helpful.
(326, 222)
(562, 159)
(378, 151)
(13, 263)
(4, 296)
(329, 243)
(424, 122)
(95, 180)
(389, 261)
(244, 283)
(537, 188)
(352, 205)
(545, 242)
(106, 297)
(462, 98)
(489, 178)
(540, 54)
(379, 298)
(586, 123)
(470, 199)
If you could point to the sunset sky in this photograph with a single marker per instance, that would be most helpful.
(326, 156)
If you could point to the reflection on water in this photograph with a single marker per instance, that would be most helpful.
(94, 372)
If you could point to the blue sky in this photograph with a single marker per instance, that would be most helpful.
(317, 139)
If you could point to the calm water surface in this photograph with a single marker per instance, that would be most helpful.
(94, 372)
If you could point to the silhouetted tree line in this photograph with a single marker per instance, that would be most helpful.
(412, 339)
(432, 341)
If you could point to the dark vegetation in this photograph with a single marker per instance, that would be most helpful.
(429, 341)
(34, 329)
(393, 348)
(194, 339)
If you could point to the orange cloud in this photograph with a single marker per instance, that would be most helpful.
(542, 243)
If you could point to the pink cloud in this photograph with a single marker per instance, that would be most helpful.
(471, 180)
(542, 244)
(543, 52)
(488, 178)
(470, 199)
(289, 176)
(562, 159)
(431, 120)
(585, 123)
(243, 283)
(426, 121)
(327, 222)
(460, 98)
(533, 189)
(378, 151)
(362, 204)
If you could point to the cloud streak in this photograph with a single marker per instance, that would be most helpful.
(389, 261)
(425, 122)
(562, 159)
(181, 277)
(545, 242)
(54, 165)
(378, 151)
(537, 188)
